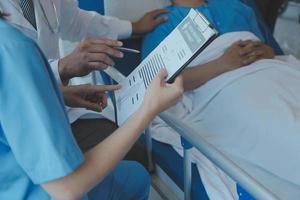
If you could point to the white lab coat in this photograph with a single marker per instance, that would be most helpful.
(73, 24)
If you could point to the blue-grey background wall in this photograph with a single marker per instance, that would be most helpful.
(95, 5)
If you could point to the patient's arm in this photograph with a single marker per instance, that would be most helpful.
(233, 58)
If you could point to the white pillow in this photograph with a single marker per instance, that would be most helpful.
(132, 10)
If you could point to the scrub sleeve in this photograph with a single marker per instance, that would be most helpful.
(33, 120)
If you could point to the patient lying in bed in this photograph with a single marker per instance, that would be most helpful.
(251, 113)
(226, 16)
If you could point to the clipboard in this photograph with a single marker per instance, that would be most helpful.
(190, 37)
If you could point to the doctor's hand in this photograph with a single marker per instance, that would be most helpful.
(91, 54)
(161, 95)
(91, 97)
(149, 21)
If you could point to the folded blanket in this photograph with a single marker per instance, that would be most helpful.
(252, 115)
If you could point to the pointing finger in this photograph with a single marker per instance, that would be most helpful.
(108, 88)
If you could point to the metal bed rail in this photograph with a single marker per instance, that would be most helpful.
(256, 189)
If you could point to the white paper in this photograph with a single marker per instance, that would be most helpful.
(115, 74)
(173, 53)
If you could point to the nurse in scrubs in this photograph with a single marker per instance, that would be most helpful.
(38, 154)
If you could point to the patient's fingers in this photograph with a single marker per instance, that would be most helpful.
(257, 53)
(249, 59)
(246, 42)
(250, 47)
(239, 42)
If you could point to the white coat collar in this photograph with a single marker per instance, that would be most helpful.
(17, 17)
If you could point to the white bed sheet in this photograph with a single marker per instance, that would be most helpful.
(251, 114)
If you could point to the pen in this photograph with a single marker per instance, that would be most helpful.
(128, 50)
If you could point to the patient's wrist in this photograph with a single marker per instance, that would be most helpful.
(221, 65)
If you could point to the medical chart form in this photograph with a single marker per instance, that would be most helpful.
(174, 53)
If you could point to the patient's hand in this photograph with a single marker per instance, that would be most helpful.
(256, 50)
(232, 58)
(91, 97)
(198, 75)
(243, 53)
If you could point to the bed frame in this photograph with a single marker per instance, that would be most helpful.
(189, 136)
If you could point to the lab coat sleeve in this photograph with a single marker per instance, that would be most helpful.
(76, 23)
(32, 114)
(54, 68)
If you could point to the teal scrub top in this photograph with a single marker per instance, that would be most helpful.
(36, 143)
(225, 15)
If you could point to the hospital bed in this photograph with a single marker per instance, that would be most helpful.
(183, 178)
